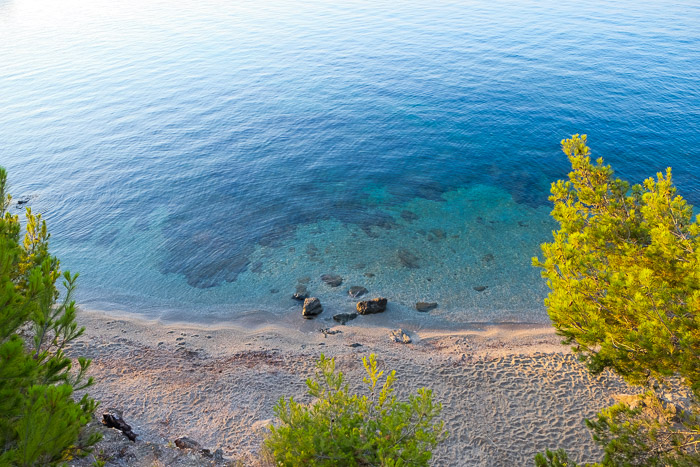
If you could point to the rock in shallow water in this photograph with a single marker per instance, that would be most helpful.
(368, 307)
(357, 291)
(436, 234)
(426, 306)
(300, 296)
(333, 280)
(409, 215)
(407, 259)
(343, 318)
(312, 307)
(480, 288)
(301, 293)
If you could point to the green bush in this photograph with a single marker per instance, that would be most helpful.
(40, 422)
(340, 428)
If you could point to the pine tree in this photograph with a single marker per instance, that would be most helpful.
(40, 422)
(624, 274)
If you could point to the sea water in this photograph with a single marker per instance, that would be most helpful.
(202, 160)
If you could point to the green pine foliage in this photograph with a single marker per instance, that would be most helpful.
(340, 428)
(652, 432)
(557, 458)
(624, 274)
(40, 422)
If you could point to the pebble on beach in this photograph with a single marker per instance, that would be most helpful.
(399, 336)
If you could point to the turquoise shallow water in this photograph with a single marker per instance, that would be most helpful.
(196, 160)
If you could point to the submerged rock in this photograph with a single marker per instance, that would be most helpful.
(368, 307)
(312, 307)
(210, 272)
(357, 291)
(332, 280)
(343, 318)
(480, 288)
(407, 259)
(409, 215)
(399, 336)
(367, 229)
(426, 306)
(301, 293)
(22, 201)
(436, 234)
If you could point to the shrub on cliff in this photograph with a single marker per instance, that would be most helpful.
(40, 422)
(340, 428)
(624, 274)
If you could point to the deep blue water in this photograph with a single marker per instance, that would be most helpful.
(196, 160)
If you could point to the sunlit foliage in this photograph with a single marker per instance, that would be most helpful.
(40, 423)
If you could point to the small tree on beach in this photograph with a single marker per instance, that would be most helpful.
(340, 428)
(40, 423)
(624, 274)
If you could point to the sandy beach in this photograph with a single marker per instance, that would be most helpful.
(508, 391)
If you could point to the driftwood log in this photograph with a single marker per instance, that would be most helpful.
(113, 418)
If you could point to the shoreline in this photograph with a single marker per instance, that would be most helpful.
(508, 391)
(291, 318)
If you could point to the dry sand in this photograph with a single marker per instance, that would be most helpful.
(508, 392)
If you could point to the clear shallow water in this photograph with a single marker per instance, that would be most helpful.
(195, 160)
